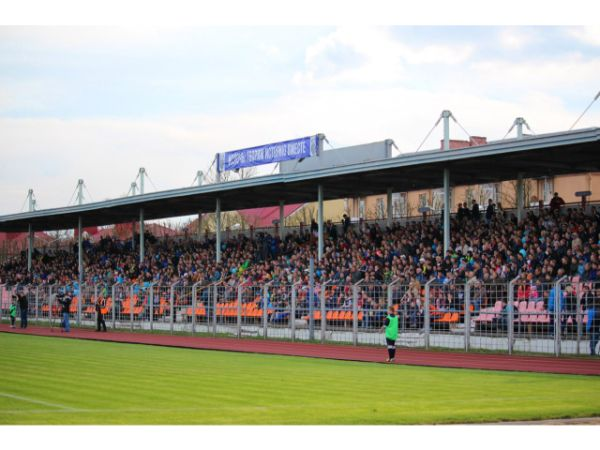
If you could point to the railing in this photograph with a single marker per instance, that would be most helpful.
(515, 316)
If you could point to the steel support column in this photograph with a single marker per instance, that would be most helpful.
(142, 246)
(218, 229)
(29, 248)
(80, 253)
(390, 208)
(446, 218)
(281, 220)
(320, 220)
(520, 196)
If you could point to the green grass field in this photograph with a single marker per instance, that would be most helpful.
(68, 381)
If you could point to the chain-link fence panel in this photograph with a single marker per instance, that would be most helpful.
(372, 311)
(279, 319)
(338, 300)
(447, 311)
(250, 298)
(408, 300)
(589, 318)
(160, 314)
(45, 294)
(533, 316)
(83, 305)
(8, 299)
(182, 307)
(121, 299)
(306, 306)
(578, 298)
(489, 316)
(5, 301)
(227, 309)
(201, 298)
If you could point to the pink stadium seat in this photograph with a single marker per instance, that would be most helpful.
(523, 317)
(531, 312)
(543, 316)
(484, 316)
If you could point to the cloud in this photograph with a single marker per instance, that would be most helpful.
(517, 38)
(371, 55)
(357, 85)
(560, 74)
(588, 34)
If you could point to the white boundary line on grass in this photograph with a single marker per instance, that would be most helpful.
(39, 402)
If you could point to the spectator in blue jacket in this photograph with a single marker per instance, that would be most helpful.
(593, 324)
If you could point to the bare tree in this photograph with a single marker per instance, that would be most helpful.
(509, 196)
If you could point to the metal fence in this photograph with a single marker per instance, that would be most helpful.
(518, 316)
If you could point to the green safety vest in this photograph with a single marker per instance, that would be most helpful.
(391, 330)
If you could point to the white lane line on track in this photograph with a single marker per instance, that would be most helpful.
(39, 402)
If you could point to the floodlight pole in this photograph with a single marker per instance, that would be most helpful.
(446, 219)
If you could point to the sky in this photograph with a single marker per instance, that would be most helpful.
(98, 102)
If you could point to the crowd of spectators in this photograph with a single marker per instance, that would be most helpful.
(495, 248)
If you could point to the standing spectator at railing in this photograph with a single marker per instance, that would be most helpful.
(556, 203)
(490, 212)
(460, 212)
(475, 213)
(345, 223)
(314, 227)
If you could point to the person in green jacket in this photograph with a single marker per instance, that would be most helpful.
(390, 325)
(13, 312)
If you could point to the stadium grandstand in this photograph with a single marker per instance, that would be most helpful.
(473, 278)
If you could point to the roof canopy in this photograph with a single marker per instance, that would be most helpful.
(535, 156)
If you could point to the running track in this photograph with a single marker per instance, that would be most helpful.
(544, 364)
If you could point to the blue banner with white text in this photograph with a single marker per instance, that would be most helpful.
(266, 154)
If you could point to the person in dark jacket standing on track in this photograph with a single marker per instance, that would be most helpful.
(23, 306)
(100, 324)
(65, 301)
(390, 325)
